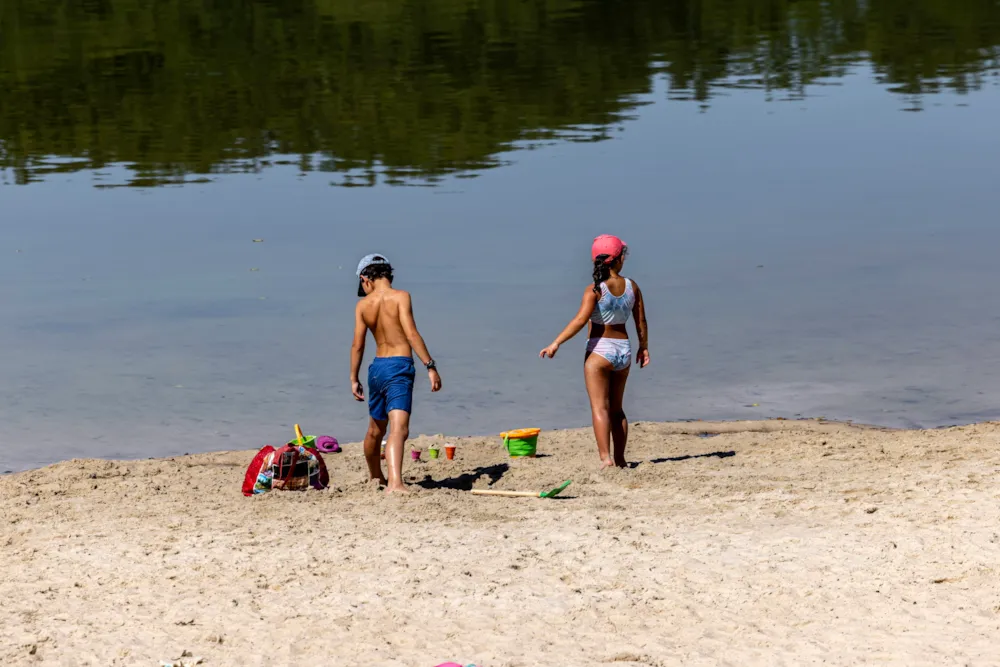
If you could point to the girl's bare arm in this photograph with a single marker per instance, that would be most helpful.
(641, 329)
(578, 322)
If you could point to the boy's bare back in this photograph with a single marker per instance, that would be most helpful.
(388, 314)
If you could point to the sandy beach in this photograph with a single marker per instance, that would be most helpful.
(771, 543)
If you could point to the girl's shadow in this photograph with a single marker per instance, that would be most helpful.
(685, 457)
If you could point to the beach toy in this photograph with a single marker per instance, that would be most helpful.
(415, 454)
(522, 442)
(434, 452)
(327, 444)
(303, 440)
(551, 493)
(449, 451)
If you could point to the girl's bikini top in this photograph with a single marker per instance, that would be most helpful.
(611, 309)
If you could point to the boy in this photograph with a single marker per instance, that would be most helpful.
(388, 314)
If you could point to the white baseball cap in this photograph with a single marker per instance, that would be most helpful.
(366, 261)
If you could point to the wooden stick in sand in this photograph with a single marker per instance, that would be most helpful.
(551, 493)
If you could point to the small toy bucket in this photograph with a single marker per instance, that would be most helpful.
(307, 441)
(522, 442)
(303, 440)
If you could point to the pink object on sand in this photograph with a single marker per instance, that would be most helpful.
(450, 664)
(327, 444)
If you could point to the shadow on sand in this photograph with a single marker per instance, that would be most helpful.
(685, 457)
(465, 482)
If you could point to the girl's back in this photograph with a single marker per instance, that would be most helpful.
(614, 306)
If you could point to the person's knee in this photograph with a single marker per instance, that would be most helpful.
(376, 430)
(600, 412)
(399, 423)
(600, 404)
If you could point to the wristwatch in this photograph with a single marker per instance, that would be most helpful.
(431, 365)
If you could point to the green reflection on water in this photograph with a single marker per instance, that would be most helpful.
(404, 92)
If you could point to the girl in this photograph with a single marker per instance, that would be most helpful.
(607, 305)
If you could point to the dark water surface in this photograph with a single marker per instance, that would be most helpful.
(810, 190)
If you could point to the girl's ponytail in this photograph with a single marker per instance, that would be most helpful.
(602, 271)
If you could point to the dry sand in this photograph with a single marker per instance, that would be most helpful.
(774, 543)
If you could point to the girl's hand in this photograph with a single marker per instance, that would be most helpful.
(642, 357)
(550, 351)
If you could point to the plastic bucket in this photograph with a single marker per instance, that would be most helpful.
(522, 442)
(308, 441)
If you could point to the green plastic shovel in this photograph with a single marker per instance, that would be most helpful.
(551, 493)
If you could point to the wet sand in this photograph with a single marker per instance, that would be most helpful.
(771, 543)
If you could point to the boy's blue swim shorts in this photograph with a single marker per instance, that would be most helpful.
(390, 386)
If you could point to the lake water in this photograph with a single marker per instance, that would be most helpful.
(810, 191)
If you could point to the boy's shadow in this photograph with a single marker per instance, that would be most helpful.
(685, 457)
(465, 482)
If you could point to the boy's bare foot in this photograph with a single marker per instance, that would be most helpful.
(382, 481)
(621, 463)
(607, 463)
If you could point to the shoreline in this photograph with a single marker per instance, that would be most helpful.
(772, 541)
(718, 425)
(682, 426)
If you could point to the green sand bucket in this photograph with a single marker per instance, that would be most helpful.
(303, 440)
(307, 441)
(522, 442)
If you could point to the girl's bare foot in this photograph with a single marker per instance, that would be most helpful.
(607, 463)
(396, 488)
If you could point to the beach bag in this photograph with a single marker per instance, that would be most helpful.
(288, 468)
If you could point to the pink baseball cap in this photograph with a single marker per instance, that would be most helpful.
(609, 245)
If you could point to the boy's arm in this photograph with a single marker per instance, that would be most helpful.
(357, 352)
(415, 339)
